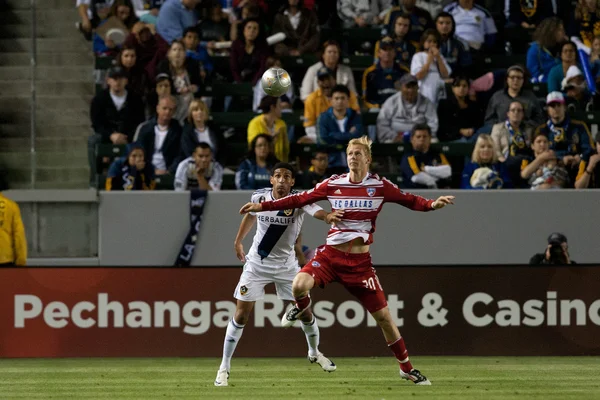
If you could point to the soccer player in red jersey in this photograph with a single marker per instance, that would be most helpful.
(345, 258)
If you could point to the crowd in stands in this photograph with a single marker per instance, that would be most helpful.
(429, 83)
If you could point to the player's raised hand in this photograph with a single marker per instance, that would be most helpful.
(250, 207)
(239, 251)
(442, 202)
(334, 217)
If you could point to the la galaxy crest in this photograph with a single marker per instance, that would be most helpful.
(243, 290)
(289, 212)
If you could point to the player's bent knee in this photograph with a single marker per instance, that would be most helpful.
(303, 282)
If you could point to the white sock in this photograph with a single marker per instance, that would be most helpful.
(232, 337)
(311, 331)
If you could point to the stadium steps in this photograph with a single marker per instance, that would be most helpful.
(64, 88)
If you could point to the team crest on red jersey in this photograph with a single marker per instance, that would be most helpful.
(371, 192)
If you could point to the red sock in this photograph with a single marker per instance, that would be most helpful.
(303, 302)
(399, 349)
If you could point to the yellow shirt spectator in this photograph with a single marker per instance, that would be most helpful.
(13, 246)
(270, 123)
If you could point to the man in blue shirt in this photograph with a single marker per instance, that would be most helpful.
(174, 16)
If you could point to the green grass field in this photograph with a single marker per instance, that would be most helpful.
(294, 378)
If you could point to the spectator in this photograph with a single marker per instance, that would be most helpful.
(569, 138)
(13, 244)
(137, 81)
(286, 100)
(524, 17)
(588, 175)
(556, 253)
(318, 102)
(579, 98)
(270, 123)
(541, 54)
(115, 114)
(459, 116)
(484, 171)
(197, 52)
(123, 11)
(544, 171)
(199, 171)
(197, 131)
(430, 67)
(420, 20)
(595, 59)
(255, 171)
(249, 53)
(131, 172)
(331, 60)
(454, 51)
(586, 22)
(144, 40)
(499, 103)
(405, 49)
(568, 58)
(512, 137)
(318, 170)
(248, 11)
(174, 16)
(92, 13)
(161, 137)
(338, 125)
(361, 13)
(474, 24)
(185, 75)
(433, 7)
(402, 111)
(380, 79)
(423, 168)
(216, 27)
(153, 10)
(163, 87)
(301, 29)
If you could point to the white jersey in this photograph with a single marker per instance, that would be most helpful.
(276, 232)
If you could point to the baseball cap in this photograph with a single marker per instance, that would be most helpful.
(117, 72)
(557, 238)
(386, 43)
(572, 72)
(555, 97)
(407, 78)
(324, 72)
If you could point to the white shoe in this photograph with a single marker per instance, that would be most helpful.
(222, 377)
(323, 361)
(415, 376)
(292, 314)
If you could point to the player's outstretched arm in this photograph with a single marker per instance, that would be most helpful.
(330, 218)
(243, 230)
(250, 207)
(442, 202)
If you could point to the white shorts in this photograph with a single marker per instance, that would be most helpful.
(251, 286)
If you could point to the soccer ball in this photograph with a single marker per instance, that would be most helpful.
(275, 82)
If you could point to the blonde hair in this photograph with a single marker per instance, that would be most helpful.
(194, 105)
(362, 141)
(483, 138)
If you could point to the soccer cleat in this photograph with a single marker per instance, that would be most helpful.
(222, 377)
(291, 316)
(324, 362)
(415, 376)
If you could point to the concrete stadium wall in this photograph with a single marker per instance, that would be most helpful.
(500, 227)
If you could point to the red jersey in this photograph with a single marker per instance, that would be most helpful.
(360, 201)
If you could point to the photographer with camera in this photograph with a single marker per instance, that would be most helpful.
(557, 252)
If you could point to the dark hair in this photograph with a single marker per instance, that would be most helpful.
(271, 159)
(189, 29)
(266, 103)
(445, 14)
(328, 43)
(202, 145)
(539, 133)
(426, 34)
(557, 238)
(392, 27)
(339, 88)
(286, 5)
(132, 19)
(545, 33)
(420, 127)
(319, 150)
(125, 47)
(567, 43)
(459, 78)
(283, 165)
(242, 26)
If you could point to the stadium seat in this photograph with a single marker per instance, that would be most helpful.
(221, 89)
(228, 182)
(104, 62)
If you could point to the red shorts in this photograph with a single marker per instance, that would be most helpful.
(354, 271)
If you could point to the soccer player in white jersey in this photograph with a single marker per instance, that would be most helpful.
(346, 258)
(272, 259)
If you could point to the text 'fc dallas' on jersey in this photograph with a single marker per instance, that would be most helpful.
(277, 231)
